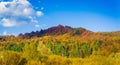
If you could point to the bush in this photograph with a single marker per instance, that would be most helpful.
(11, 58)
(30, 52)
(32, 62)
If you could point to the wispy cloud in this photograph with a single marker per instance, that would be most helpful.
(17, 13)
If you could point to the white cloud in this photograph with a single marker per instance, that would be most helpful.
(17, 12)
(11, 22)
(39, 13)
(5, 33)
(42, 26)
(27, 11)
(7, 23)
(37, 26)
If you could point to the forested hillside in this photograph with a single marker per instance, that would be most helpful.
(61, 45)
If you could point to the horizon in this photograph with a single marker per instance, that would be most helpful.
(22, 16)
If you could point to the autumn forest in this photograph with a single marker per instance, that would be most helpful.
(61, 45)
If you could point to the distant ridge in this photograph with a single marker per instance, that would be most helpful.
(56, 30)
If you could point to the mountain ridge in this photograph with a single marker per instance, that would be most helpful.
(55, 30)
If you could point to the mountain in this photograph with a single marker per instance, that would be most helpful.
(56, 30)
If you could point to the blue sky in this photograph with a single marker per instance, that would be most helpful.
(21, 16)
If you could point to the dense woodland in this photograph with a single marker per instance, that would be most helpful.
(61, 45)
